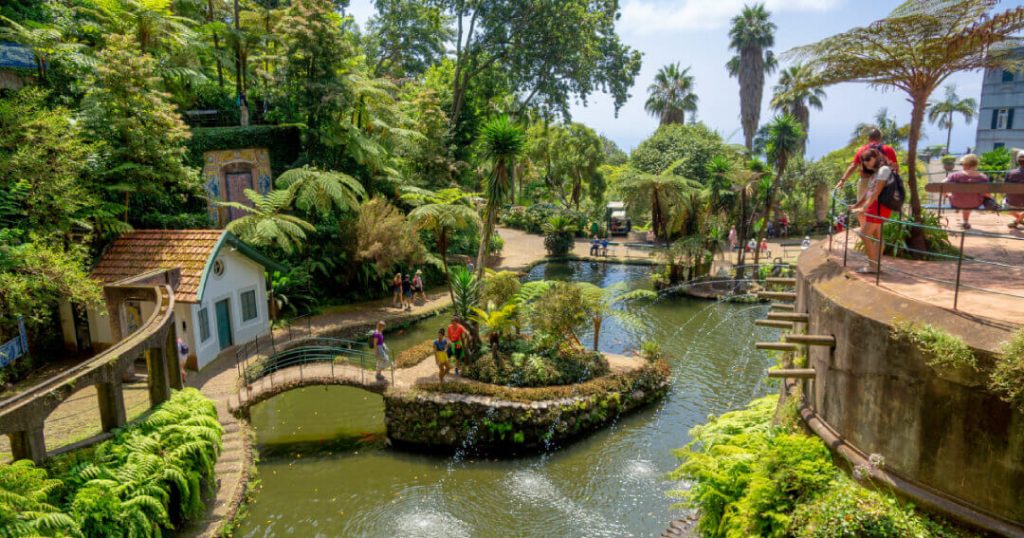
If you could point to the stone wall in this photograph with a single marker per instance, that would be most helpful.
(448, 421)
(936, 427)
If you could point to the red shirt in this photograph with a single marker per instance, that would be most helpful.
(886, 149)
(455, 331)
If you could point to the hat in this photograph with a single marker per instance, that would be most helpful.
(418, 272)
(807, 237)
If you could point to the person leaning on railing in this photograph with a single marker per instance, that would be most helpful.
(875, 166)
(1016, 201)
(966, 201)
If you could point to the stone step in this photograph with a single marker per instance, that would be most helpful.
(777, 295)
(774, 323)
(789, 316)
(812, 339)
(777, 346)
(783, 306)
(781, 280)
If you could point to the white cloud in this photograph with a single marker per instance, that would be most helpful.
(648, 16)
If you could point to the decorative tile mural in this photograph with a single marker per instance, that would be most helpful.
(229, 172)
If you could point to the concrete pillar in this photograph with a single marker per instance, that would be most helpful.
(111, 400)
(173, 364)
(156, 364)
(28, 444)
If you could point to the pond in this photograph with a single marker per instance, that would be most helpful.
(326, 471)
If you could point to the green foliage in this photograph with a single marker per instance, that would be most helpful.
(1007, 378)
(693, 146)
(559, 231)
(386, 238)
(943, 348)
(466, 291)
(283, 142)
(539, 363)
(754, 478)
(997, 160)
(558, 311)
(499, 287)
(150, 476)
(266, 223)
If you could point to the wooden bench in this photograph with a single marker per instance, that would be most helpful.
(973, 188)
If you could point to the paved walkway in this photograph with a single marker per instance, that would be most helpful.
(988, 291)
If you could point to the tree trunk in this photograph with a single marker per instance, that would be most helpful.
(949, 131)
(485, 238)
(768, 210)
(442, 247)
(216, 46)
(821, 200)
(920, 102)
(597, 331)
(741, 234)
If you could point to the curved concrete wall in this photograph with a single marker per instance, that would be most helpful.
(939, 428)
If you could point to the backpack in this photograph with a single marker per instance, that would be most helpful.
(893, 194)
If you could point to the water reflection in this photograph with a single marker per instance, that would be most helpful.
(609, 484)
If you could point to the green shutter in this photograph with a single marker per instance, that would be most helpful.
(1009, 119)
(995, 117)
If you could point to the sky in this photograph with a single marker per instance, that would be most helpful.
(695, 34)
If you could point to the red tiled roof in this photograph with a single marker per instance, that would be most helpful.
(142, 251)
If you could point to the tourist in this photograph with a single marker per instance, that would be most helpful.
(733, 239)
(806, 243)
(457, 343)
(764, 248)
(595, 246)
(380, 349)
(751, 245)
(966, 201)
(604, 247)
(396, 290)
(650, 237)
(182, 358)
(784, 225)
(441, 354)
(1016, 201)
(771, 229)
(406, 292)
(871, 212)
(417, 286)
(874, 142)
(469, 265)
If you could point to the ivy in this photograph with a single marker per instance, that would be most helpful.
(284, 143)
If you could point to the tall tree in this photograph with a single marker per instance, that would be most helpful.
(406, 37)
(784, 139)
(442, 213)
(501, 143)
(550, 50)
(751, 36)
(574, 152)
(143, 136)
(894, 134)
(793, 96)
(671, 95)
(915, 49)
(941, 112)
(663, 193)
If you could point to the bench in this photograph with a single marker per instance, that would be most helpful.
(972, 188)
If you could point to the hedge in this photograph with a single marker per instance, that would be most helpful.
(284, 142)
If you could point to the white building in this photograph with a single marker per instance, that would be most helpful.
(221, 299)
(1002, 93)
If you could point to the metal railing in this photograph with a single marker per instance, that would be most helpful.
(298, 345)
(964, 262)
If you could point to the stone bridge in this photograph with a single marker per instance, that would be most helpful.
(23, 416)
(316, 374)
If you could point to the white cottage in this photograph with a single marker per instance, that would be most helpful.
(221, 299)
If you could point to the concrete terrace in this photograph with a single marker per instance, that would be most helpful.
(989, 291)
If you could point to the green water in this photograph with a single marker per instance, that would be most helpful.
(612, 483)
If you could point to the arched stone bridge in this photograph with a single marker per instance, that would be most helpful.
(309, 375)
(23, 416)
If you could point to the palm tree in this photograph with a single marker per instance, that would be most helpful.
(441, 213)
(671, 95)
(784, 139)
(600, 303)
(152, 22)
(750, 36)
(501, 143)
(793, 95)
(915, 49)
(322, 191)
(892, 133)
(664, 193)
(266, 223)
(941, 112)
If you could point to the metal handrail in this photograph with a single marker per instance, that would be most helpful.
(960, 257)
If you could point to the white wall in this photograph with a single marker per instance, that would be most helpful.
(240, 274)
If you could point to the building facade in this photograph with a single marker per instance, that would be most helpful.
(999, 122)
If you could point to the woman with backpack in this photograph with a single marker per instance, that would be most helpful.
(875, 166)
(966, 201)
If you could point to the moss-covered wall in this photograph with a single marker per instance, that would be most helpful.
(447, 421)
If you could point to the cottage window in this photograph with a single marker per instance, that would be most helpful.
(1002, 118)
(249, 305)
(204, 324)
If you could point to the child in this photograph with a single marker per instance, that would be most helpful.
(441, 354)
(380, 349)
(396, 290)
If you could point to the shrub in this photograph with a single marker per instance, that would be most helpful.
(559, 310)
(558, 235)
(945, 349)
(538, 363)
(27, 498)
(499, 288)
(1007, 378)
(696, 145)
(415, 354)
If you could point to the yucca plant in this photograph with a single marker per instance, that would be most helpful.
(501, 142)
